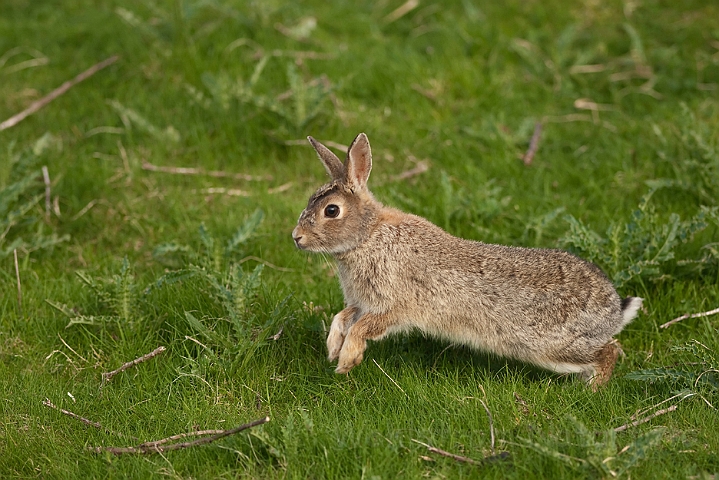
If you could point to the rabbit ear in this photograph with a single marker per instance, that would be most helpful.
(359, 162)
(332, 164)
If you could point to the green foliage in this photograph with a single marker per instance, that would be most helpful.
(696, 370)
(691, 155)
(117, 300)
(131, 118)
(21, 226)
(214, 256)
(644, 247)
(597, 452)
(307, 99)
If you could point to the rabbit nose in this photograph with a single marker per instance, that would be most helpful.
(297, 236)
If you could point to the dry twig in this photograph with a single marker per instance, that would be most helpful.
(421, 167)
(35, 106)
(390, 378)
(107, 376)
(232, 192)
(491, 425)
(690, 315)
(645, 419)
(198, 171)
(19, 288)
(460, 458)
(328, 143)
(84, 420)
(266, 263)
(160, 446)
(533, 144)
(400, 11)
(48, 193)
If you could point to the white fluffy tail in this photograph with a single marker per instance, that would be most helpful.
(630, 308)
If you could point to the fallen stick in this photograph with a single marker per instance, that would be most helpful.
(198, 171)
(400, 11)
(645, 419)
(266, 263)
(107, 376)
(84, 420)
(160, 446)
(48, 192)
(19, 288)
(303, 143)
(390, 378)
(460, 458)
(199, 433)
(690, 315)
(37, 105)
(533, 144)
(232, 192)
(422, 166)
(491, 425)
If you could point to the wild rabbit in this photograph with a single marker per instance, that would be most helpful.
(400, 272)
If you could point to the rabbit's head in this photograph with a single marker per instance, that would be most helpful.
(341, 214)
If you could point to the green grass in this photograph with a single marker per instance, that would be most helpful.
(215, 84)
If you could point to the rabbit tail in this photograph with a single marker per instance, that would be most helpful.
(630, 308)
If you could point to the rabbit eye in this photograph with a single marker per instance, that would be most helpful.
(332, 211)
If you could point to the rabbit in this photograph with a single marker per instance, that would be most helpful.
(399, 272)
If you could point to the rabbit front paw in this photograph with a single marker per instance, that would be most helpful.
(351, 355)
(338, 330)
(335, 340)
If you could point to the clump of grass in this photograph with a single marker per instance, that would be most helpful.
(646, 246)
(291, 111)
(117, 301)
(22, 227)
(690, 153)
(596, 452)
(697, 369)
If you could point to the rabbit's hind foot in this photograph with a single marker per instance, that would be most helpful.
(603, 366)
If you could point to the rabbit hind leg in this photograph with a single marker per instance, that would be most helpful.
(605, 359)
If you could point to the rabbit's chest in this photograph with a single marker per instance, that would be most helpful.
(367, 283)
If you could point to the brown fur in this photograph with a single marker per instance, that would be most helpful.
(399, 272)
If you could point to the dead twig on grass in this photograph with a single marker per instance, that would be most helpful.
(491, 425)
(84, 420)
(19, 288)
(236, 192)
(265, 263)
(400, 11)
(107, 376)
(231, 192)
(690, 315)
(460, 458)
(35, 106)
(160, 446)
(303, 143)
(421, 167)
(198, 171)
(645, 419)
(48, 192)
(390, 378)
(533, 144)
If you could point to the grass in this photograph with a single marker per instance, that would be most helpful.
(220, 85)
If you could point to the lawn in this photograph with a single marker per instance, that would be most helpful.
(152, 205)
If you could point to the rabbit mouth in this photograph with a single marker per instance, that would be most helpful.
(298, 243)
